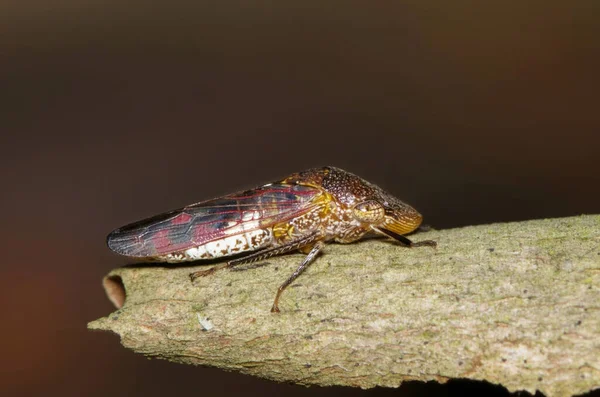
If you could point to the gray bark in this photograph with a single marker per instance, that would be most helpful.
(515, 304)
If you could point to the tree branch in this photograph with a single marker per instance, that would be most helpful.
(516, 304)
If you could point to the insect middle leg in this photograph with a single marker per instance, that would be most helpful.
(307, 261)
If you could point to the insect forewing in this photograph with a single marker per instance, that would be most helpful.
(212, 220)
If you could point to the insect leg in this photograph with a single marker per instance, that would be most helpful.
(282, 249)
(405, 241)
(260, 255)
(307, 261)
(203, 273)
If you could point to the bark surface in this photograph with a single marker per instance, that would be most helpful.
(515, 304)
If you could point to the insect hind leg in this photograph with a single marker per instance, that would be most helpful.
(203, 273)
(260, 255)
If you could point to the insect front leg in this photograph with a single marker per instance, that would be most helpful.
(305, 263)
(405, 241)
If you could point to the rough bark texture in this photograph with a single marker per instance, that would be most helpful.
(516, 304)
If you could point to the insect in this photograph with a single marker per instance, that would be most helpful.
(300, 212)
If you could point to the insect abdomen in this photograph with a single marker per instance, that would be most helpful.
(226, 246)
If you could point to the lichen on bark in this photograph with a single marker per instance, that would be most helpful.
(516, 304)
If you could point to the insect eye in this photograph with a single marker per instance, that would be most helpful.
(369, 211)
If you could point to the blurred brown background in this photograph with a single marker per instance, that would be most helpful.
(473, 112)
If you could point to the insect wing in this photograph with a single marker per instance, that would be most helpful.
(212, 220)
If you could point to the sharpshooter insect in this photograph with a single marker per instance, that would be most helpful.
(301, 212)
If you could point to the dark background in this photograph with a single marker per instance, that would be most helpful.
(110, 111)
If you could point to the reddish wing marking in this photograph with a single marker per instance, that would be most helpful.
(211, 220)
